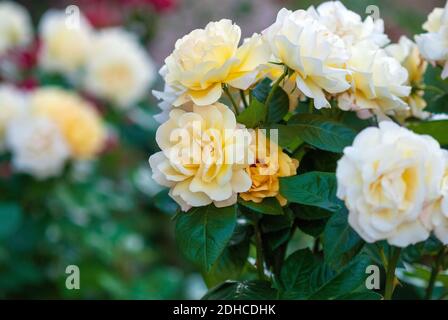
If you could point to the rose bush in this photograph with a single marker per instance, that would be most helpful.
(348, 148)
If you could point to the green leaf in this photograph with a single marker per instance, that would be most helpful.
(229, 265)
(269, 206)
(10, 219)
(246, 290)
(204, 232)
(294, 276)
(438, 129)
(313, 188)
(313, 228)
(322, 132)
(287, 136)
(339, 238)
(254, 115)
(349, 279)
(279, 104)
(304, 277)
(309, 213)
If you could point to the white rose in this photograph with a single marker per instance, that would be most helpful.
(64, 47)
(15, 26)
(386, 178)
(212, 168)
(206, 59)
(317, 56)
(434, 44)
(378, 82)
(37, 147)
(13, 104)
(349, 25)
(118, 68)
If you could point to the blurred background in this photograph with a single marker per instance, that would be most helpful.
(109, 217)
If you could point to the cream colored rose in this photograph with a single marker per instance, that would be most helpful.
(65, 47)
(206, 59)
(386, 179)
(201, 161)
(271, 163)
(407, 53)
(349, 25)
(37, 146)
(433, 45)
(378, 82)
(15, 26)
(298, 40)
(118, 68)
(13, 104)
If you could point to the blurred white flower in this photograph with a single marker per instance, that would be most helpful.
(15, 26)
(349, 25)
(387, 178)
(379, 82)
(118, 68)
(298, 40)
(434, 44)
(37, 147)
(64, 48)
(13, 103)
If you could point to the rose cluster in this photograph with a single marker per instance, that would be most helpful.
(393, 181)
(323, 54)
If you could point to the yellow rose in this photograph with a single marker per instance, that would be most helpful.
(203, 158)
(264, 173)
(205, 59)
(78, 121)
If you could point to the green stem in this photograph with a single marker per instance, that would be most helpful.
(243, 98)
(434, 272)
(229, 95)
(259, 245)
(394, 256)
(272, 92)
